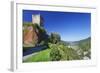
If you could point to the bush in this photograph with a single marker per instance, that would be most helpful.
(62, 52)
(55, 54)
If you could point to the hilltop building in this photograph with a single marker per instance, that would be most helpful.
(36, 19)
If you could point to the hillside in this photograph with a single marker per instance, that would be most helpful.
(83, 47)
(33, 35)
(85, 44)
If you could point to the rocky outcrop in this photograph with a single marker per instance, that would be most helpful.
(33, 32)
(30, 37)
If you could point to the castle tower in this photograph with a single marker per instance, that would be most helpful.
(36, 19)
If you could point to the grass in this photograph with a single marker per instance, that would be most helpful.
(40, 56)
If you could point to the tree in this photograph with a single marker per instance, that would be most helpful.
(55, 38)
(62, 52)
(55, 53)
(42, 35)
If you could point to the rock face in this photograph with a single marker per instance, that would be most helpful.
(30, 37)
(33, 31)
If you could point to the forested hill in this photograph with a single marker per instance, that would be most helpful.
(85, 40)
(80, 41)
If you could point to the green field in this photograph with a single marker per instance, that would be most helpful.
(40, 56)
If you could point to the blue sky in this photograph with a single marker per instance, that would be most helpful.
(71, 26)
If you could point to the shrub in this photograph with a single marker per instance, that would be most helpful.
(55, 54)
(62, 52)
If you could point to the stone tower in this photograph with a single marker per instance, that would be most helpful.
(36, 19)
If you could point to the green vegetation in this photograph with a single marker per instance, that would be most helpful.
(40, 56)
(61, 52)
(55, 52)
(85, 44)
(55, 38)
(42, 35)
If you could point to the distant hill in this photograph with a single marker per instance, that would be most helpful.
(80, 41)
(82, 47)
(85, 44)
(85, 40)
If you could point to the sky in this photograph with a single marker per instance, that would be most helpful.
(72, 26)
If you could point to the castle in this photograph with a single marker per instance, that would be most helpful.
(30, 38)
(36, 19)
